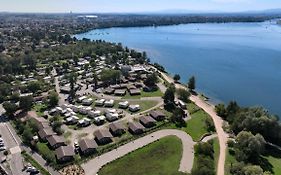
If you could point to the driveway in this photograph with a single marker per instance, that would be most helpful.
(93, 166)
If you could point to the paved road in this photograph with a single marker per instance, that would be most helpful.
(14, 159)
(210, 109)
(93, 166)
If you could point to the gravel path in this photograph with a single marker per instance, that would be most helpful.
(93, 166)
(222, 135)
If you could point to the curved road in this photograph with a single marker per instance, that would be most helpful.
(222, 135)
(93, 166)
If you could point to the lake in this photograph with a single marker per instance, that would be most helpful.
(232, 61)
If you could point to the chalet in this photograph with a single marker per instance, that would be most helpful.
(134, 92)
(117, 129)
(80, 99)
(100, 102)
(108, 91)
(120, 92)
(109, 103)
(99, 120)
(134, 108)
(123, 105)
(56, 141)
(87, 102)
(157, 115)
(65, 153)
(182, 104)
(147, 121)
(87, 146)
(136, 128)
(93, 114)
(84, 122)
(103, 136)
(111, 116)
(45, 133)
(71, 120)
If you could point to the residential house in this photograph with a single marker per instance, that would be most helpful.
(136, 128)
(103, 136)
(65, 153)
(157, 115)
(45, 133)
(117, 128)
(134, 108)
(147, 121)
(56, 141)
(87, 146)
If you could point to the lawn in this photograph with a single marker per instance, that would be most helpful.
(230, 159)
(157, 93)
(216, 146)
(271, 160)
(160, 157)
(196, 126)
(192, 108)
(40, 108)
(46, 153)
(144, 104)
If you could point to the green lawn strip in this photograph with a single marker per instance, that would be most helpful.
(40, 108)
(192, 108)
(271, 160)
(160, 157)
(216, 146)
(196, 126)
(230, 159)
(47, 154)
(157, 93)
(34, 163)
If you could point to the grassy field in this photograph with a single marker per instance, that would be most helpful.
(160, 157)
(216, 152)
(230, 159)
(196, 126)
(271, 161)
(34, 163)
(157, 93)
(40, 108)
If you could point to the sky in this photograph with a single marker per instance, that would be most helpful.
(97, 6)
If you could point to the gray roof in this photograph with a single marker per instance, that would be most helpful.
(156, 114)
(46, 132)
(87, 144)
(147, 119)
(99, 134)
(135, 126)
(54, 139)
(64, 151)
(116, 126)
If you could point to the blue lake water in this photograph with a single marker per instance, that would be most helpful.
(233, 61)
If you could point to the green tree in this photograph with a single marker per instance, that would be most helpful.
(191, 83)
(248, 146)
(221, 111)
(151, 80)
(253, 170)
(169, 98)
(183, 95)
(34, 86)
(177, 77)
(177, 117)
(10, 108)
(110, 76)
(26, 103)
(53, 99)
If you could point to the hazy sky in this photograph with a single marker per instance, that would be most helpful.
(135, 5)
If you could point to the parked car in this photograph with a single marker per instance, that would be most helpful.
(3, 148)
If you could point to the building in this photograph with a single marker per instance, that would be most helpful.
(65, 153)
(87, 102)
(123, 105)
(103, 136)
(109, 103)
(45, 133)
(84, 122)
(99, 120)
(56, 141)
(120, 92)
(157, 115)
(117, 129)
(99, 102)
(108, 91)
(134, 108)
(147, 121)
(111, 116)
(93, 114)
(136, 128)
(182, 104)
(134, 92)
(87, 146)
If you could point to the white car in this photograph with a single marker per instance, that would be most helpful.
(2, 144)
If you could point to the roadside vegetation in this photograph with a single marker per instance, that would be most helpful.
(34, 163)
